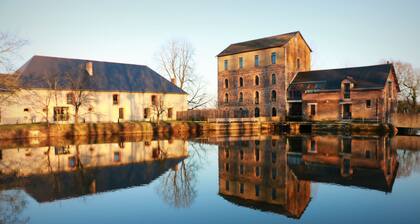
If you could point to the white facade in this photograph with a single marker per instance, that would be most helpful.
(34, 106)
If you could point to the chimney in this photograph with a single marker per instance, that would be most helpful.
(89, 68)
(173, 80)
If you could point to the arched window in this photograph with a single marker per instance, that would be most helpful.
(226, 98)
(241, 97)
(226, 83)
(257, 97)
(273, 112)
(257, 80)
(273, 79)
(241, 82)
(273, 96)
(257, 112)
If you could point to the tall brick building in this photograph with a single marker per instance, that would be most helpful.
(253, 76)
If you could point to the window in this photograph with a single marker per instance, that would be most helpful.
(273, 173)
(121, 113)
(273, 79)
(117, 156)
(256, 60)
(273, 58)
(241, 62)
(273, 96)
(257, 112)
(241, 188)
(227, 185)
(368, 103)
(241, 169)
(257, 190)
(241, 154)
(227, 153)
(227, 166)
(241, 97)
(61, 150)
(389, 89)
(257, 80)
(273, 112)
(226, 65)
(154, 100)
(61, 114)
(226, 98)
(115, 99)
(146, 113)
(312, 109)
(241, 82)
(170, 112)
(273, 194)
(226, 83)
(298, 64)
(70, 98)
(313, 147)
(257, 155)
(346, 90)
(72, 162)
(257, 171)
(273, 157)
(26, 110)
(257, 97)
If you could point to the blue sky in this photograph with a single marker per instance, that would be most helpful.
(341, 33)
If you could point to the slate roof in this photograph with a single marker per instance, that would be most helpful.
(368, 77)
(258, 44)
(107, 76)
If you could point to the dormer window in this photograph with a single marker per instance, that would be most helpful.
(89, 68)
(346, 90)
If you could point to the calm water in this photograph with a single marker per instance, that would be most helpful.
(261, 179)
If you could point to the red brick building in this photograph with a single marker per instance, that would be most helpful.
(360, 93)
(253, 75)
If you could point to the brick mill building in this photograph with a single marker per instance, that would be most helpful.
(253, 76)
(271, 77)
(360, 93)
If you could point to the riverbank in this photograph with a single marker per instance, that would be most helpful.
(42, 130)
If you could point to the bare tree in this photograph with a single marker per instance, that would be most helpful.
(409, 81)
(159, 108)
(80, 97)
(9, 47)
(176, 59)
(41, 101)
(8, 88)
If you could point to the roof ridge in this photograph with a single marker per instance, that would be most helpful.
(342, 68)
(284, 34)
(82, 59)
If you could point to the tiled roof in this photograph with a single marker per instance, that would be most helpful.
(368, 77)
(262, 43)
(107, 76)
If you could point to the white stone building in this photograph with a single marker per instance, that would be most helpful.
(54, 89)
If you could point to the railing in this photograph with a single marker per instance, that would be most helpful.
(347, 115)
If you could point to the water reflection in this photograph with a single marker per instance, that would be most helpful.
(277, 175)
(56, 172)
(274, 173)
(254, 173)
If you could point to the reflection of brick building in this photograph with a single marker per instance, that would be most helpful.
(253, 75)
(366, 162)
(255, 174)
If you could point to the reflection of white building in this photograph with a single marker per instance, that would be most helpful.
(50, 173)
(110, 92)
